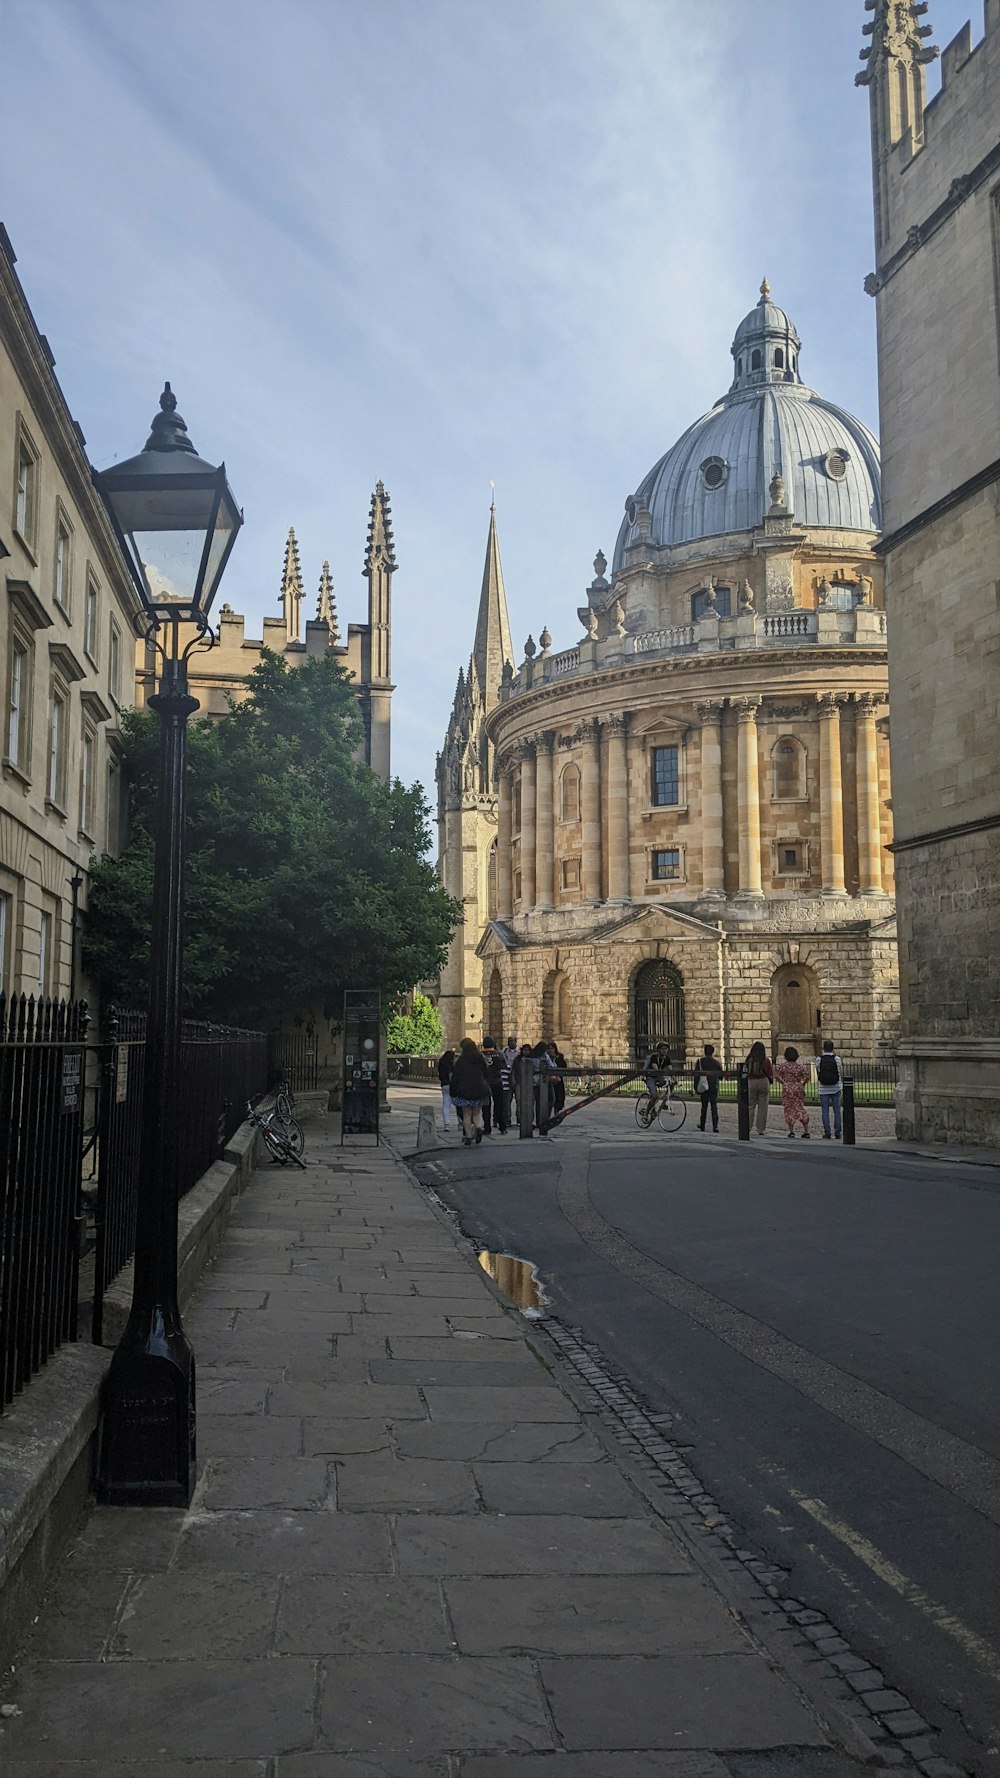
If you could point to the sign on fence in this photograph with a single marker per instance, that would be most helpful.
(72, 1079)
(362, 1033)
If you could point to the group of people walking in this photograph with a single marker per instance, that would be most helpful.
(790, 1073)
(480, 1084)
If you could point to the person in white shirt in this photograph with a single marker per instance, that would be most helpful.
(830, 1076)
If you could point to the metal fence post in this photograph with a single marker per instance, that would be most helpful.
(848, 1109)
(525, 1097)
(743, 1104)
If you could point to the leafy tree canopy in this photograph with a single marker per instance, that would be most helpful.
(306, 874)
(418, 1032)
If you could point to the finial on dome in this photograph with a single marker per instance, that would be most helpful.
(765, 290)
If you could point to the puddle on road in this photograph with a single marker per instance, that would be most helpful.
(518, 1280)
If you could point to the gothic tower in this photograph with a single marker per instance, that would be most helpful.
(379, 568)
(291, 589)
(467, 802)
(894, 72)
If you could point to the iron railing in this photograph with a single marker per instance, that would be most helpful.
(294, 1057)
(42, 1061)
(874, 1081)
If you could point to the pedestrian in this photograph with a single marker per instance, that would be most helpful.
(558, 1060)
(759, 1077)
(656, 1073)
(708, 1072)
(489, 1049)
(498, 1071)
(791, 1076)
(541, 1071)
(470, 1090)
(830, 1075)
(511, 1051)
(445, 1067)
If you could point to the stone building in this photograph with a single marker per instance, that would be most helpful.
(937, 286)
(677, 829)
(221, 672)
(68, 620)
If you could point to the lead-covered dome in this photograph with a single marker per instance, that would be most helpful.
(717, 477)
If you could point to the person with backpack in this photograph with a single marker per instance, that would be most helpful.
(830, 1075)
(470, 1089)
(708, 1072)
(499, 1075)
(759, 1077)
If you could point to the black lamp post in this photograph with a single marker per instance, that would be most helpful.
(176, 520)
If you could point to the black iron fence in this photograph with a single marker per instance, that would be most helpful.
(294, 1059)
(42, 1059)
(874, 1081)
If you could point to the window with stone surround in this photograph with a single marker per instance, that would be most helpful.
(571, 873)
(790, 857)
(665, 779)
(62, 570)
(6, 940)
(25, 487)
(517, 885)
(92, 621)
(20, 671)
(115, 662)
(788, 770)
(55, 783)
(665, 865)
(720, 605)
(88, 776)
(569, 793)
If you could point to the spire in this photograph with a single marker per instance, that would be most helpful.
(380, 565)
(326, 604)
(492, 646)
(380, 546)
(291, 588)
(894, 61)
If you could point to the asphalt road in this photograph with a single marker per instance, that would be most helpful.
(823, 1325)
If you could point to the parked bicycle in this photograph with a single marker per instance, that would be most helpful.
(284, 1103)
(284, 1142)
(662, 1107)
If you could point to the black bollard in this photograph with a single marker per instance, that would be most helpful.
(525, 1097)
(848, 1109)
(743, 1105)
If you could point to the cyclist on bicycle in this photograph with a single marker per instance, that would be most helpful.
(656, 1071)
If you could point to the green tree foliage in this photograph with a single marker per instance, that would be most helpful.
(418, 1032)
(306, 874)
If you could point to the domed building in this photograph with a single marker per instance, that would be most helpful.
(677, 829)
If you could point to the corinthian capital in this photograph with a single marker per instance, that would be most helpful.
(710, 712)
(589, 730)
(747, 708)
(617, 724)
(829, 703)
(869, 703)
(545, 742)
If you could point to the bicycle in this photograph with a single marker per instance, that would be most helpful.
(283, 1142)
(284, 1103)
(662, 1107)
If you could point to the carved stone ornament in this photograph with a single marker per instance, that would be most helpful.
(865, 588)
(786, 712)
(746, 596)
(711, 712)
(529, 649)
(823, 591)
(546, 640)
(777, 490)
(600, 564)
(747, 708)
(616, 724)
(589, 729)
(869, 702)
(618, 618)
(829, 703)
(545, 741)
(872, 284)
(781, 598)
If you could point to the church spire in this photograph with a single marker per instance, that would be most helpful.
(291, 588)
(326, 604)
(492, 647)
(379, 568)
(894, 59)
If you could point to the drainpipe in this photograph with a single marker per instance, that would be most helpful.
(76, 884)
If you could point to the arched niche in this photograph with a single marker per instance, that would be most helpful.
(658, 1008)
(796, 1008)
(569, 792)
(494, 1007)
(557, 1009)
(788, 770)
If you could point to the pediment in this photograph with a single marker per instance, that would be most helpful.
(655, 923)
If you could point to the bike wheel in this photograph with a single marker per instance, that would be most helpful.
(644, 1112)
(672, 1113)
(293, 1134)
(275, 1143)
(283, 1105)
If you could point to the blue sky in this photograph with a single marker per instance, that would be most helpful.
(440, 242)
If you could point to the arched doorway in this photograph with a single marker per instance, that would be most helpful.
(557, 1009)
(796, 1013)
(659, 1008)
(494, 1008)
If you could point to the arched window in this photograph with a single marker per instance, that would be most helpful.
(516, 812)
(659, 1009)
(779, 358)
(720, 606)
(491, 883)
(739, 367)
(569, 794)
(755, 360)
(788, 770)
(494, 1007)
(557, 1008)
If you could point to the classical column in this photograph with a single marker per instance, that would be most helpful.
(713, 874)
(544, 833)
(528, 828)
(831, 795)
(505, 827)
(748, 784)
(869, 814)
(590, 735)
(618, 862)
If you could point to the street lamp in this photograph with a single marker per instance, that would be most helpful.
(176, 520)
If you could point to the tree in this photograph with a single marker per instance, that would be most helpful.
(305, 873)
(418, 1032)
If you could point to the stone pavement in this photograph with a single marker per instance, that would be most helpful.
(408, 1556)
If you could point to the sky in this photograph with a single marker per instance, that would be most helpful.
(440, 243)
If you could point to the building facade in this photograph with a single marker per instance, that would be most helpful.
(936, 174)
(677, 830)
(220, 673)
(68, 620)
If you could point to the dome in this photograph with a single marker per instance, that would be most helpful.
(716, 479)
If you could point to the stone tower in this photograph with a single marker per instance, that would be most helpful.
(467, 802)
(291, 589)
(379, 568)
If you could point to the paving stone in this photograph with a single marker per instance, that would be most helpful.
(196, 1617)
(265, 1481)
(127, 1539)
(359, 1615)
(594, 1489)
(352, 1401)
(341, 1438)
(458, 1349)
(175, 1709)
(881, 1701)
(284, 1543)
(53, 1767)
(232, 1395)
(75, 1620)
(905, 1722)
(418, 1705)
(500, 1326)
(388, 1483)
(704, 1701)
(597, 1765)
(403, 1319)
(439, 1373)
(499, 1441)
(534, 1545)
(584, 1615)
(248, 1435)
(358, 1765)
(530, 1402)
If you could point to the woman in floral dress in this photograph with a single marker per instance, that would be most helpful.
(791, 1074)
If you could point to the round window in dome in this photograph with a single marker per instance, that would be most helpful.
(714, 471)
(630, 511)
(835, 464)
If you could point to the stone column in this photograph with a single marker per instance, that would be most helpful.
(869, 814)
(748, 783)
(590, 809)
(713, 871)
(831, 795)
(528, 828)
(505, 828)
(618, 860)
(544, 833)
